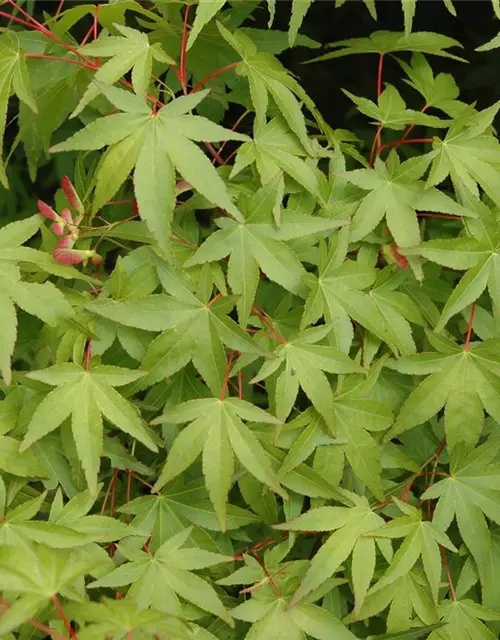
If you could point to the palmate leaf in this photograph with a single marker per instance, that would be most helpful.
(45, 301)
(177, 507)
(266, 76)
(275, 148)
(13, 77)
(260, 244)
(421, 539)
(469, 154)
(393, 42)
(194, 328)
(468, 495)
(477, 253)
(349, 524)
(119, 617)
(217, 432)
(396, 193)
(131, 51)
(86, 396)
(157, 579)
(272, 586)
(302, 362)
(338, 294)
(464, 381)
(157, 144)
(410, 605)
(36, 573)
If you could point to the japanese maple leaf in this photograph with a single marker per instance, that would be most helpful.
(156, 144)
(462, 380)
(158, 579)
(217, 432)
(86, 396)
(478, 253)
(396, 193)
(260, 244)
(193, 328)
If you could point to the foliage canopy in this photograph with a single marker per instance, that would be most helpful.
(250, 366)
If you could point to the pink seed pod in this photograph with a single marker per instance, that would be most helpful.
(46, 210)
(65, 243)
(57, 228)
(66, 216)
(71, 195)
(96, 260)
(72, 256)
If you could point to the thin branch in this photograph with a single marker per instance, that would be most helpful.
(79, 63)
(379, 74)
(448, 574)
(232, 65)
(62, 615)
(469, 330)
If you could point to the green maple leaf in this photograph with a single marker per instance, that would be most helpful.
(421, 540)
(193, 329)
(13, 77)
(391, 111)
(178, 506)
(45, 301)
(470, 494)
(131, 51)
(266, 76)
(275, 148)
(158, 580)
(461, 380)
(157, 144)
(408, 594)
(396, 194)
(260, 244)
(36, 573)
(338, 294)
(272, 586)
(216, 430)
(469, 154)
(118, 617)
(86, 396)
(18, 528)
(393, 42)
(477, 253)
(439, 91)
(302, 362)
(465, 619)
(349, 524)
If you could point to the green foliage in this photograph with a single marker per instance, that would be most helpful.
(250, 366)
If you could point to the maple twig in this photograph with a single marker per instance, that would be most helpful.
(379, 74)
(412, 126)
(269, 325)
(79, 63)
(114, 482)
(240, 385)
(182, 70)
(88, 355)
(63, 617)
(3, 14)
(469, 329)
(229, 66)
(417, 474)
(146, 484)
(448, 574)
(226, 374)
(96, 17)
(87, 36)
(268, 575)
(375, 144)
(59, 8)
(396, 143)
(441, 216)
(223, 145)
(106, 497)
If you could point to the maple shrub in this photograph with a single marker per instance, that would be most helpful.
(249, 364)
